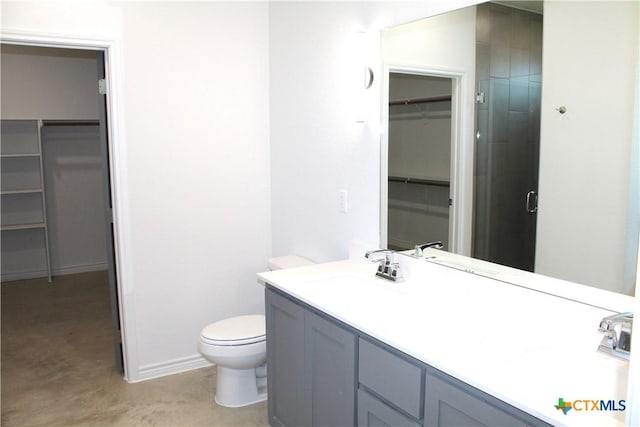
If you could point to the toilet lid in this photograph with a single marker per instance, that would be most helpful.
(236, 330)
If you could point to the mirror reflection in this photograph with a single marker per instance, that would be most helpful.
(551, 118)
(419, 159)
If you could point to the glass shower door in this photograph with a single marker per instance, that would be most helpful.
(509, 83)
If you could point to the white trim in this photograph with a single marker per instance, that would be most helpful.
(175, 366)
(115, 112)
(384, 157)
(632, 417)
(461, 190)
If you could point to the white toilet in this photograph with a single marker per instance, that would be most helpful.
(238, 347)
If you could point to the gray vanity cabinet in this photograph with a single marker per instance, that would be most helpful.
(324, 373)
(390, 387)
(311, 367)
(372, 412)
(285, 362)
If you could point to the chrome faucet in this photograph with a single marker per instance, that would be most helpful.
(387, 269)
(617, 335)
(436, 244)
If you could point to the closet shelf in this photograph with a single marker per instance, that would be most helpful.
(22, 146)
(70, 123)
(25, 191)
(419, 181)
(20, 155)
(426, 100)
(23, 226)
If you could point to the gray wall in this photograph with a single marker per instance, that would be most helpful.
(75, 203)
(46, 83)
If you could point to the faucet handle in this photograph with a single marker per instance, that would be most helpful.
(395, 272)
(608, 323)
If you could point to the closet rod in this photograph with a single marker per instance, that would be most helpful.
(421, 100)
(70, 123)
(419, 181)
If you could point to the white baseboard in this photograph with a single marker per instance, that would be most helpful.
(74, 269)
(169, 367)
(60, 271)
(22, 275)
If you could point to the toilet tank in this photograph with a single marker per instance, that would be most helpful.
(288, 261)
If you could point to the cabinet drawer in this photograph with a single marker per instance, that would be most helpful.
(372, 412)
(391, 377)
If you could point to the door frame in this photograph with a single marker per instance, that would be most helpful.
(117, 168)
(461, 186)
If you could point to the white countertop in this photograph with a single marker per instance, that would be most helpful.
(525, 347)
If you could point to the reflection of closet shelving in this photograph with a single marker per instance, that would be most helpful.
(22, 185)
(425, 100)
(425, 108)
(419, 181)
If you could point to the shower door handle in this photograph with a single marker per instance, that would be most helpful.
(532, 202)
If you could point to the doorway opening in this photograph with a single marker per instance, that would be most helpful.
(419, 160)
(71, 134)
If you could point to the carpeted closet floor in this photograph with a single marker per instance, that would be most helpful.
(58, 366)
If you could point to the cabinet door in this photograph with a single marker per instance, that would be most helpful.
(374, 413)
(452, 403)
(391, 377)
(288, 402)
(330, 352)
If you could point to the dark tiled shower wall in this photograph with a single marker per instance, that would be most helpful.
(509, 74)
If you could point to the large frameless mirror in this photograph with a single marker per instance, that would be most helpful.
(539, 103)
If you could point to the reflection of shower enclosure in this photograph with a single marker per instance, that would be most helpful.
(509, 81)
(419, 159)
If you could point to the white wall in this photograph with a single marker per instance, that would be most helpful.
(192, 162)
(592, 136)
(196, 87)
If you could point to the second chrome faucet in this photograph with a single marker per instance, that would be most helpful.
(419, 249)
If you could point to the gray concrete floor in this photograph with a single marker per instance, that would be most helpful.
(58, 366)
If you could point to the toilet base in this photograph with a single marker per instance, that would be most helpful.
(238, 387)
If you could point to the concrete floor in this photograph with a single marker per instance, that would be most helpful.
(58, 366)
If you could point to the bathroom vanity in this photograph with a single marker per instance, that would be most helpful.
(442, 348)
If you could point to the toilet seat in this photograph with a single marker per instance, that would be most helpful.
(230, 343)
(240, 330)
